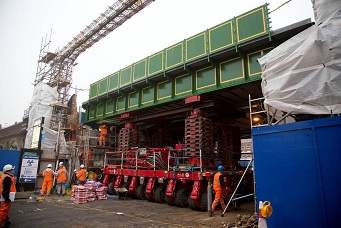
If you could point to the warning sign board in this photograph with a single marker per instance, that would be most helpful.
(29, 167)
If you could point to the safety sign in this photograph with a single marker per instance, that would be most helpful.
(29, 167)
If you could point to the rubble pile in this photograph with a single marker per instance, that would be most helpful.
(243, 221)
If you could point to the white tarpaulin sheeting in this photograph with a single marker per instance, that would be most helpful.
(43, 96)
(50, 139)
(303, 75)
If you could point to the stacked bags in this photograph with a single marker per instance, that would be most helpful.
(89, 192)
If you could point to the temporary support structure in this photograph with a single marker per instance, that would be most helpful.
(55, 69)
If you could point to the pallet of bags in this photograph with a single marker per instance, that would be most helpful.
(90, 193)
(98, 184)
(101, 193)
(90, 184)
(78, 194)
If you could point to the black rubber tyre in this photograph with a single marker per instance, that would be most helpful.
(149, 198)
(169, 201)
(110, 189)
(192, 205)
(160, 194)
(126, 186)
(203, 201)
(141, 192)
(181, 198)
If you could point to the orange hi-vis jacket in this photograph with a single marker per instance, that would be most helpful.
(61, 174)
(12, 189)
(104, 130)
(81, 175)
(216, 182)
(48, 175)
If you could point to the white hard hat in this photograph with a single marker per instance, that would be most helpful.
(82, 166)
(49, 166)
(61, 163)
(8, 167)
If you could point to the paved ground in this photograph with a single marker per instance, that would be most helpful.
(55, 211)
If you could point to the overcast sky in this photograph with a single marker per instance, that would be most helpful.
(24, 23)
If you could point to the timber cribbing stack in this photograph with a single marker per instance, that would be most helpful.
(227, 136)
(127, 138)
(161, 138)
(198, 133)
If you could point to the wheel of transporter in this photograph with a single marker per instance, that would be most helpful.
(149, 198)
(126, 186)
(181, 198)
(169, 201)
(110, 189)
(192, 205)
(160, 194)
(141, 192)
(203, 201)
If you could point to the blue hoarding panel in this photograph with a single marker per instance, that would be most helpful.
(329, 147)
(297, 170)
(10, 157)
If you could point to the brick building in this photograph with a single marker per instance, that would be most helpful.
(13, 137)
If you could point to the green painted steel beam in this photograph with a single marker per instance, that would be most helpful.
(220, 57)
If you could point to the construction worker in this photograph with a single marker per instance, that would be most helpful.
(7, 186)
(81, 175)
(103, 133)
(61, 179)
(48, 180)
(219, 188)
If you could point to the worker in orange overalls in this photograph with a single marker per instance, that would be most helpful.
(48, 179)
(219, 188)
(103, 133)
(7, 186)
(81, 175)
(61, 179)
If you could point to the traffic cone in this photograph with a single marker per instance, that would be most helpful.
(261, 220)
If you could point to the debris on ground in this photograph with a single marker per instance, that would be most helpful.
(243, 221)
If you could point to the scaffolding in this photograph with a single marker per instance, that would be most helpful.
(89, 152)
(55, 69)
(261, 114)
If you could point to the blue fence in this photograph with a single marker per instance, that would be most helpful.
(297, 168)
(10, 157)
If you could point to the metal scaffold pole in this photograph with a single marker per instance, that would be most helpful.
(235, 190)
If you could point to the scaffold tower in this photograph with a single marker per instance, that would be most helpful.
(55, 69)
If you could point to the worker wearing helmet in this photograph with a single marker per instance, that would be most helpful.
(103, 133)
(61, 179)
(219, 188)
(48, 179)
(7, 187)
(81, 175)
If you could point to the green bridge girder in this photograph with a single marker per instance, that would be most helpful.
(208, 61)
